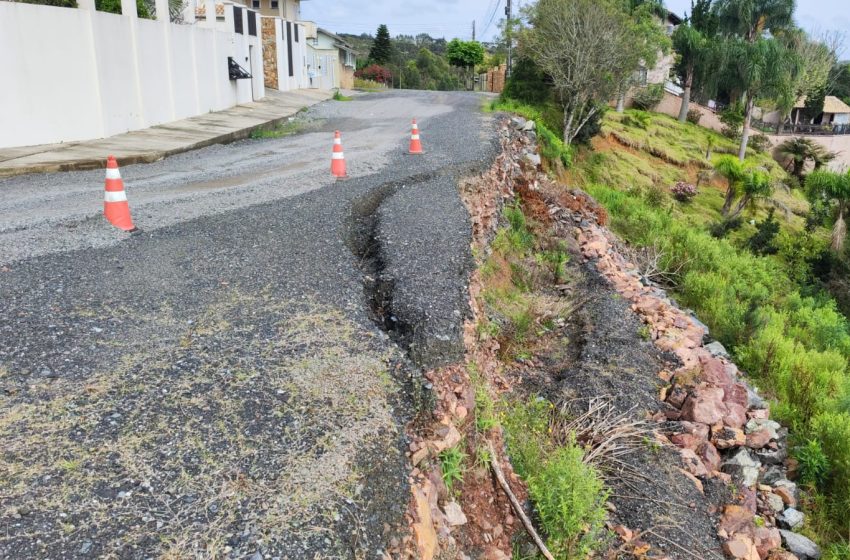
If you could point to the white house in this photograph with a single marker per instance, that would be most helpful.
(78, 73)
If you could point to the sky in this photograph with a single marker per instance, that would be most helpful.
(453, 18)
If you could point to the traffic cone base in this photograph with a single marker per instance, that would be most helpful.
(415, 142)
(338, 158)
(115, 207)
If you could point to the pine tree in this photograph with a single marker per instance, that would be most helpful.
(381, 51)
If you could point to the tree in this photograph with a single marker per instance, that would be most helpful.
(691, 48)
(750, 19)
(833, 189)
(839, 81)
(704, 18)
(382, 48)
(797, 152)
(763, 68)
(813, 106)
(759, 66)
(651, 38)
(734, 171)
(464, 54)
(587, 49)
(755, 185)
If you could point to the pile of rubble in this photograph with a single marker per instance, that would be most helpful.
(720, 423)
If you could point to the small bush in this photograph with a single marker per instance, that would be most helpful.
(338, 96)
(591, 128)
(375, 73)
(683, 192)
(724, 227)
(694, 116)
(568, 494)
(368, 85)
(655, 197)
(763, 241)
(649, 97)
(759, 143)
(814, 464)
(733, 119)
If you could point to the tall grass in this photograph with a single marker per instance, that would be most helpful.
(795, 346)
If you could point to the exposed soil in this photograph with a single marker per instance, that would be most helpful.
(601, 350)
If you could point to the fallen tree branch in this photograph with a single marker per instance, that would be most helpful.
(529, 527)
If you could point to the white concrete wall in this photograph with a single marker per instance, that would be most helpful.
(77, 74)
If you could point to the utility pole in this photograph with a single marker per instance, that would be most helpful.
(509, 32)
(473, 30)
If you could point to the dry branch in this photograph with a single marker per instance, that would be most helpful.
(500, 476)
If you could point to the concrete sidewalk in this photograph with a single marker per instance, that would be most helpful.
(155, 143)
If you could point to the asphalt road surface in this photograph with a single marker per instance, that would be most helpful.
(233, 381)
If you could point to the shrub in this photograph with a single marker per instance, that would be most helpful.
(683, 192)
(527, 83)
(763, 241)
(568, 494)
(570, 499)
(722, 228)
(655, 197)
(733, 119)
(694, 116)
(814, 464)
(759, 143)
(369, 85)
(375, 73)
(648, 98)
(591, 128)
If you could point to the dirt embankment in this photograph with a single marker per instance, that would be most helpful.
(704, 481)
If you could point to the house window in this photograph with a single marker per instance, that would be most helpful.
(642, 76)
(274, 4)
(255, 4)
(670, 29)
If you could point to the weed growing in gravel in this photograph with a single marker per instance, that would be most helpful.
(288, 128)
(485, 409)
(338, 96)
(451, 465)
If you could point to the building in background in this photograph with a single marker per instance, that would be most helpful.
(330, 60)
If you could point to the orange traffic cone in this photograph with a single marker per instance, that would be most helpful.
(415, 143)
(115, 207)
(338, 157)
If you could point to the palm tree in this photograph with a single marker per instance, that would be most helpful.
(759, 66)
(751, 18)
(833, 188)
(761, 69)
(756, 184)
(797, 151)
(691, 50)
(734, 171)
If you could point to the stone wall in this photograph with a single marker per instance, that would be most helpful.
(269, 52)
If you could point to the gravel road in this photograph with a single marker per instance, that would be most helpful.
(222, 385)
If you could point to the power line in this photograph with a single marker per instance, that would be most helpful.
(492, 17)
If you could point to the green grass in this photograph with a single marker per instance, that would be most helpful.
(451, 466)
(288, 128)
